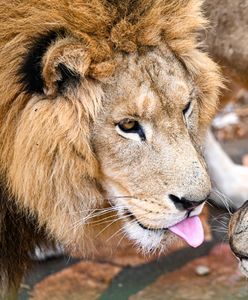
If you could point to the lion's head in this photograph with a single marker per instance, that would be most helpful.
(238, 236)
(104, 105)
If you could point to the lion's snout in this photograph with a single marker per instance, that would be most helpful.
(183, 203)
(190, 186)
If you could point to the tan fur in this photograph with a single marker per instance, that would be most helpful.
(238, 236)
(59, 152)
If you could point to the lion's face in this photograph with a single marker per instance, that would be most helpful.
(141, 151)
(238, 236)
(146, 143)
(105, 108)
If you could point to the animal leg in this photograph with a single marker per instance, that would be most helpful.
(229, 180)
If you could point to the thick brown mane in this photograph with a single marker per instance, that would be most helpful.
(110, 25)
(105, 26)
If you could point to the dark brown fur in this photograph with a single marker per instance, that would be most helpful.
(19, 236)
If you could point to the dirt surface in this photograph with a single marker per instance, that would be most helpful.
(222, 280)
(83, 281)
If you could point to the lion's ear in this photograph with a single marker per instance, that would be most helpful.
(56, 62)
(53, 62)
(63, 66)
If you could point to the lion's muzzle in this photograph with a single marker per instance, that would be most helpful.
(185, 204)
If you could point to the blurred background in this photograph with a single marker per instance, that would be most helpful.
(208, 272)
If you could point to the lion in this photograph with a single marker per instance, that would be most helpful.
(104, 108)
(238, 236)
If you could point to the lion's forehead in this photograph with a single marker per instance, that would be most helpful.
(149, 84)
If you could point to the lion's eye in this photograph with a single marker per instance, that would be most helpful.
(130, 128)
(128, 125)
(187, 110)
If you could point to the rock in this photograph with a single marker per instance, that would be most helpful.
(202, 270)
(224, 282)
(82, 281)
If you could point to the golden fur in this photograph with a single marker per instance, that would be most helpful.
(60, 154)
(238, 236)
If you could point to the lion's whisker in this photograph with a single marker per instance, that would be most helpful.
(102, 221)
(224, 198)
(119, 197)
(124, 236)
(113, 235)
(106, 227)
(118, 231)
(97, 214)
(106, 220)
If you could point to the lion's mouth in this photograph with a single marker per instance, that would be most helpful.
(132, 217)
(189, 229)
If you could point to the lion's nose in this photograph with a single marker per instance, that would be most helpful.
(183, 203)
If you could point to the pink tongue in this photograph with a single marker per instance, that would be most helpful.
(190, 230)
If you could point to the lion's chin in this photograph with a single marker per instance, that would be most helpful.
(149, 241)
(243, 265)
